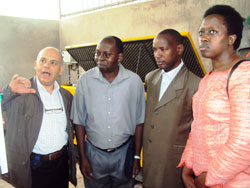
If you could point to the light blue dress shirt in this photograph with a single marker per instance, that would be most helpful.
(53, 133)
(109, 111)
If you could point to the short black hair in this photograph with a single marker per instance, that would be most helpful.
(118, 43)
(233, 20)
(174, 34)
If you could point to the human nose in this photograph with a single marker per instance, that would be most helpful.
(46, 64)
(102, 56)
(203, 36)
(157, 53)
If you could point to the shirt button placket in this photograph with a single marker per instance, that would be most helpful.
(109, 112)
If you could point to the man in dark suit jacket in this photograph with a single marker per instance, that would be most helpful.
(168, 112)
(39, 133)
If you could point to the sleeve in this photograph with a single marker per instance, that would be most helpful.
(186, 158)
(234, 157)
(78, 110)
(8, 96)
(140, 112)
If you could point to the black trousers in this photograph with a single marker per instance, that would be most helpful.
(51, 174)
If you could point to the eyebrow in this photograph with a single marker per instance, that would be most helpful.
(49, 59)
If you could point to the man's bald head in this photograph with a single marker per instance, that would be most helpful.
(50, 49)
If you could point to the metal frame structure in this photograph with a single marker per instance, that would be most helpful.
(138, 55)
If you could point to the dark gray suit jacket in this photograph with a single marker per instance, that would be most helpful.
(24, 115)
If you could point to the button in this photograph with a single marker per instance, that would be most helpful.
(109, 113)
(149, 140)
(156, 112)
(108, 127)
(109, 99)
(109, 140)
(152, 126)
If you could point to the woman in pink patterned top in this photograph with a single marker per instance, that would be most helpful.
(217, 153)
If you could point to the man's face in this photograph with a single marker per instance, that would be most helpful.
(213, 37)
(48, 66)
(167, 52)
(106, 56)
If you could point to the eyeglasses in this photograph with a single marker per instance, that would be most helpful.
(104, 54)
(55, 110)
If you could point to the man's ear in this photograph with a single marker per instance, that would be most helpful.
(120, 56)
(232, 39)
(61, 70)
(180, 49)
(35, 63)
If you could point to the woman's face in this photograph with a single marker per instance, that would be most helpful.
(213, 37)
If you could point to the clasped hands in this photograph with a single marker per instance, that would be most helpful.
(190, 181)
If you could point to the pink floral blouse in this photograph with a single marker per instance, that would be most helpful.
(219, 142)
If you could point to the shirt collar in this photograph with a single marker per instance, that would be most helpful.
(122, 74)
(40, 87)
(173, 72)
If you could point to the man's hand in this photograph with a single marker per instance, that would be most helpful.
(199, 181)
(85, 168)
(21, 85)
(138, 144)
(188, 177)
(136, 168)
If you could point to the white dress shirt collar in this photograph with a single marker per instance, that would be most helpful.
(167, 78)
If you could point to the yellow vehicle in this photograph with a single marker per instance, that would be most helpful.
(137, 56)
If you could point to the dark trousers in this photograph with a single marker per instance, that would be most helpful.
(108, 168)
(51, 174)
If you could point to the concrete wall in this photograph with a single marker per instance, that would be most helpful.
(20, 41)
(142, 19)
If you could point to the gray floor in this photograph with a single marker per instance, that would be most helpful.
(4, 184)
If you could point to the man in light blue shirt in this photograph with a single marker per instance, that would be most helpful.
(109, 107)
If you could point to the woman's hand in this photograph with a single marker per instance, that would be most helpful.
(199, 181)
(188, 177)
